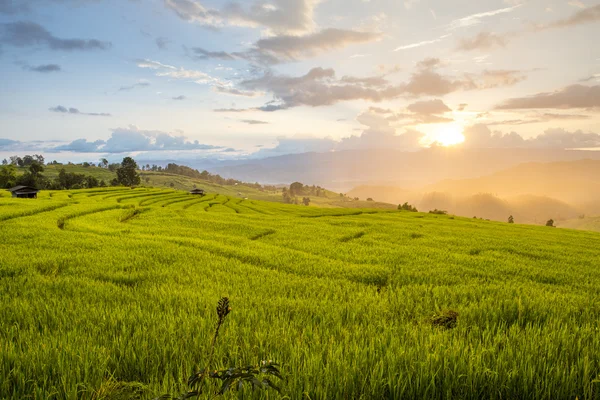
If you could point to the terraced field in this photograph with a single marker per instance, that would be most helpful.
(111, 292)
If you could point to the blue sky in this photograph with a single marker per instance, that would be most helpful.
(205, 78)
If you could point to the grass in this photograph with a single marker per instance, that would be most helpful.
(353, 303)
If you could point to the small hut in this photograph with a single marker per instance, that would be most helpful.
(24, 192)
(199, 192)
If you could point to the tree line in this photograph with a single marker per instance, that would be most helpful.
(127, 175)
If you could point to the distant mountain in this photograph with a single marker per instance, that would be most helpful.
(531, 192)
(343, 170)
(575, 182)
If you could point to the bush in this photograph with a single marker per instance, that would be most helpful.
(439, 212)
(550, 223)
(407, 207)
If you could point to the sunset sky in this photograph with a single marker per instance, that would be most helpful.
(232, 79)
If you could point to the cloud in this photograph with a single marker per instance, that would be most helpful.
(287, 48)
(253, 122)
(236, 92)
(428, 111)
(297, 144)
(587, 15)
(420, 44)
(380, 134)
(202, 54)
(480, 136)
(27, 34)
(80, 146)
(231, 110)
(71, 110)
(181, 97)
(429, 107)
(320, 87)
(140, 83)
(560, 138)
(10, 7)
(162, 42)
(483, 41)
(574, 96)
(164, 70)
(145, 63)
(567, 117)
(576, 3)
(8, 143)
(489, 79)
(43, 68)
(277, 16)
(193, 11)
(475, 19)
(130, 139)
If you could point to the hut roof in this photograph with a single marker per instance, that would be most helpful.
(23, 189)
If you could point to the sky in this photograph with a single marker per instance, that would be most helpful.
(252, 78)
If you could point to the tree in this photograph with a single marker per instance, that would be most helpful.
(8, 176)
(91, 181)
(113, 167)
(104, 162)
(287, 198)
(407, 207)
(16, 160)
(127, 173)
(27, 160)
(39, 158)
(306, 201)
(550, 222)
(36, 169)
(511, 220)
(370, 199)
(5, 162)
(296, 188)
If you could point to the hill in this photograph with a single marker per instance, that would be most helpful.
(343, 170)
(111, 293)
(327, 198)
(531, 192)
(574, 182)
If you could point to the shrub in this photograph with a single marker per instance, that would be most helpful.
(407, 207)
(550, 222)
(447, 319)
(439, 212)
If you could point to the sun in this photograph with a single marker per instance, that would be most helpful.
(449, 135)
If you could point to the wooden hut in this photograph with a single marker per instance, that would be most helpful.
(199, 192)
(24, 192)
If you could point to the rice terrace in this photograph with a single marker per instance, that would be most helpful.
(110, 293)
(299, 199)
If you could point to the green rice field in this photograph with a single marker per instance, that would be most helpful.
(111, 294)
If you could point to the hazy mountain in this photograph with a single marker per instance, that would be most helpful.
(531, 192)
(344, 170)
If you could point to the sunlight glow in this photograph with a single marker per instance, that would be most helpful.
(449, 135)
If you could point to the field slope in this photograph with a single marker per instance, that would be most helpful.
(107, 289)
